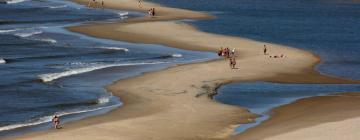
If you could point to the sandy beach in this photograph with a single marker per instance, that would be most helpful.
(316, 118)
(175, 103)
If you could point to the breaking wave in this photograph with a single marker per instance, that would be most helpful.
(49, 40)
(13, 1)
(57, 7)
(28, 34)
(123, 14)
(103, 100)
(7, 31)
(53, 76)
(113, 48)
(2, 61)
(176, 55)
(47, 119)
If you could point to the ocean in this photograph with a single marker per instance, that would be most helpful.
(328, 28)
(46, 70)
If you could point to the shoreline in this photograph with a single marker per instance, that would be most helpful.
(155, 102)
(328, 119)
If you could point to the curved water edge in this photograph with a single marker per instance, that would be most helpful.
(104, 100)
(314, 26)
(66, 76)
(261, 97)
(47, 119)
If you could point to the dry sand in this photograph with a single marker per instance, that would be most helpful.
(333, 117)
(174, 104)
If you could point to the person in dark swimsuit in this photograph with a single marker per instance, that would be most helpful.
(56, 122)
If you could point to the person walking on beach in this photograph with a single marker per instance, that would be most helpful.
(56, 122)
(265, 50)
(150, 12)
(153, 11)
(233, 52)
(232, 62)
(227, 52)
(102, 4)
(220, 52)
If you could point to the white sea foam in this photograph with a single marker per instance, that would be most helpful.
(53, 76)
(7, 31)
(14, 1)
(176, 55)
(39, 121)
(49, 40)
(59, 6)
(123, 14)
(47, 119)
(113, 48)
(2, 61)
(103, 100)
(28, 34)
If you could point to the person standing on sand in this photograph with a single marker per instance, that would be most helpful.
(232, 62)
(153, 11)
(56, 122)
(265, 50)
(233, 52)
(220, 52)
(102, 4)
(150, 12)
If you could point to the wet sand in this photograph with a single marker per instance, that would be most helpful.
(175, 103)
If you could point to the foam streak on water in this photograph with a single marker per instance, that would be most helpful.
(47, 119)
(14, 1)
(113, 48)
(53, 76)
(28, 34)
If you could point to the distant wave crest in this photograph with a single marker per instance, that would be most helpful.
(53, 76)
(7, 31)
(57, 7)
(103, 100)
(113, 48)
(176, 55)
(49, 40)
(2, 61)
(28, 34)
(123, 14)
(13, 1)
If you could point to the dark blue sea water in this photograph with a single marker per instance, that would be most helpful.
(46, 70)
(50, 71)
(329, 28)
(261, 97)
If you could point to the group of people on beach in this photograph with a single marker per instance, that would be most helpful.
(96, 4)
(272, 56)
(151, 12)
(228, 54)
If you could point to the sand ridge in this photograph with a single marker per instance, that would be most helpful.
(174, 103)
